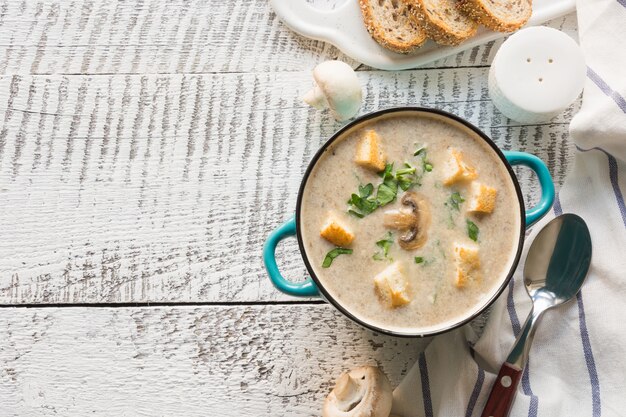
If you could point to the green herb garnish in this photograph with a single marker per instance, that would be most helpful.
(385, 245)
(388, 190)
(408, 170)
(386, 174)
(356, 214)
(361, 204)
(330, 256)
(472, 230)
(426, 165)
(407, 177)
(419, 260)
(366, 190)
(420, 150)
(455, 200)
(364, 203)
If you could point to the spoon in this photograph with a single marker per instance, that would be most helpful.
(556, 267)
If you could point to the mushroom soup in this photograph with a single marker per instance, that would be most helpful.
(410, 221)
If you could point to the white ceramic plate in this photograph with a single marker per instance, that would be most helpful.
(343, 27)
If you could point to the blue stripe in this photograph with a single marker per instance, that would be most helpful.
(510, 305)
(515, 324)
(478, 386)
(622, 2)
(428, 404)
(534, 400)
(584, 336)
(613, 177)
(558, 210)
(591, 363)
(606, 89)
(621, 103)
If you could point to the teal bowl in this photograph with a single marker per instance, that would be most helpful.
(312, 287)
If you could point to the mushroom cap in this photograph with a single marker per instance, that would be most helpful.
(361, 392)
(341, 88)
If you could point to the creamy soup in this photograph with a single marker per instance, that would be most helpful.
(429, 241)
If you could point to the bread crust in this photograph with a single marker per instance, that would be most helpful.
(479, 12)
(379, 32)
(440, 33)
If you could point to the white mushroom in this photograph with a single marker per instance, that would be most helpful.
(336, 88)
(362, 392)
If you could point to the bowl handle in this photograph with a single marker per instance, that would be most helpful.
(305, 288)
(545, 180)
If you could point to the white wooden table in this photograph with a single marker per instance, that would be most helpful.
(146, 149)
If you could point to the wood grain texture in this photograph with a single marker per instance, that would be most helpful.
(146, 149)
(179, 36)
(163, 188)
(210, 361)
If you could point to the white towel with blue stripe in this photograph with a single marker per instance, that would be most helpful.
(577, 364)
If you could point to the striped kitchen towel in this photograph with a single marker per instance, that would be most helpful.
(577, 363)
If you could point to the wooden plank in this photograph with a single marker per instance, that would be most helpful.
(257, 360)
(180, 36)
(163, 188)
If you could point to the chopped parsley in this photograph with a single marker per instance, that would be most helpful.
(366, 190)
(387, 173)
(472, 230)
(385, 244)
(426, 165)
(407, 177)
(455, 200)
(365, 202)
(420, 150)
(362, 204)
(330, 256)
(388, 190)
(419, 260)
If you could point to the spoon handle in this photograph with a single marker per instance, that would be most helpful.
(503, 391)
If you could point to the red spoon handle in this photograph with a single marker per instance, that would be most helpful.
(503, 392)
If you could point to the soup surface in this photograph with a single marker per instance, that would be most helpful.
(433, 236)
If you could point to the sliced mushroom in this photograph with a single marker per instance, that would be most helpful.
(413, 220)
(362, 392)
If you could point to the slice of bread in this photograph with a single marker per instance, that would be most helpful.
(467, 264)
(392, 286)
(336, 233)
(443, 20)
(498, 15)
(369, 153)
(482, 198)
(390, 24)
(456, 169)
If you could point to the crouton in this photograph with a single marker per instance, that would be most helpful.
(467, 264)
(369, 153)
(336, 233)
(457, 170)
(392, 286)
(482, 198)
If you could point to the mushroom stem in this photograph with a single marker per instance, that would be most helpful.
(362, 392)
(347, 392)
(315, 98)
(398, 219)
(413, 219)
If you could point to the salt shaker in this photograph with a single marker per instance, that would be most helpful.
(536, 74)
